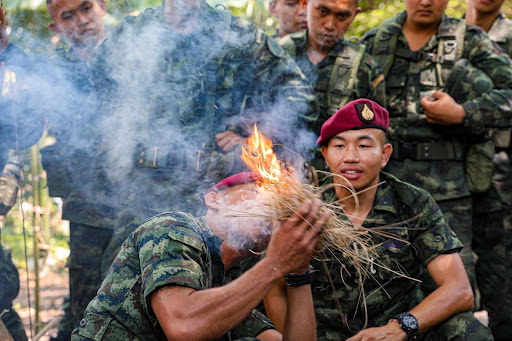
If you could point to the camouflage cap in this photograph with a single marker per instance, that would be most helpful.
(237, 179)
(359, 114)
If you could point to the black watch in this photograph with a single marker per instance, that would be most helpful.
(303, 279)
(409, 324)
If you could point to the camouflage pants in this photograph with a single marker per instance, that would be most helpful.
(9, 288)
(87, 245)
(500, 309)
(460, 327)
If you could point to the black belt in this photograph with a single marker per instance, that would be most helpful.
(428, 151)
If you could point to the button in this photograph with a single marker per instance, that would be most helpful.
(438, 239)
(454, 234)
(83, 322)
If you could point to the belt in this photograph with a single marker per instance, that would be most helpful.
(428, 151)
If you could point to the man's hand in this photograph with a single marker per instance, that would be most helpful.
(390, 332)
(228, 140)
(442, 110)
(293, 242)
(4, 38)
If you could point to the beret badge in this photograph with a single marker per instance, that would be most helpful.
(365, 113)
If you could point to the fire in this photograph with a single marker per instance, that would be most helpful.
(258, 155)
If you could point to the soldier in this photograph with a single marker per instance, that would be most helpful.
(20, 127)
(432, 134)
(168, 280)
(495, 262)
(73, 166)
(339, 70)
(414, 239)
(182, 80)
(290, 14)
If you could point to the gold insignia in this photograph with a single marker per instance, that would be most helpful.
(367, 113)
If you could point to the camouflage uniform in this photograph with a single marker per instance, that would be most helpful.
(193, 86)
(170, 249)
(499, 281)
(430, 156)
(422, 234)
(75, 173)
(346, 74)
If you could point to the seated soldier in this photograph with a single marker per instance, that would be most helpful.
(413, 238)
(169, 279)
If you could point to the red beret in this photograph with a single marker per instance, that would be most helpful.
(359, 114)
(237, 179)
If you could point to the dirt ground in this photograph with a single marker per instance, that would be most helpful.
(54, 286)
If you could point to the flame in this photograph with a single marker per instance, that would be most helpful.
(258, 155)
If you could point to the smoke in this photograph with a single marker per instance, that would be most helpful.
(135, 126)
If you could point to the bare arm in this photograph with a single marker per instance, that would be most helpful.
(452, 296)
(276, 303)
(300, 323)
(187, 314)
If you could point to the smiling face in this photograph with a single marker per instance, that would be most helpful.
(291, 15)
(79, 21)
(425, 13)
(328, 20)
(357, 155)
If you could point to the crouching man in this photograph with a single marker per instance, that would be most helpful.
(171, 278)
(410, 237)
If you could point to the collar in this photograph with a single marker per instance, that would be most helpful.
(500, 29)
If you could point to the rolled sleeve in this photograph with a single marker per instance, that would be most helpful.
(435, 241)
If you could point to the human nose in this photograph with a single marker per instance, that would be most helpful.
(330, 23)
(302, 10)
(351, 155)
(83, 19)
(425, 3)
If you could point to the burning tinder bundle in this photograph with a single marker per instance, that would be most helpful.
(286, 193)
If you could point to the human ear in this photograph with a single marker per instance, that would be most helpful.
(211, 200)
(324, 153)
(387, 149)
(54, 27)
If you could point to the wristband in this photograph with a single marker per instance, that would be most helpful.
(295, 280)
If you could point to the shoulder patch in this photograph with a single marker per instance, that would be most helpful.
(274, 48)
(377, 80)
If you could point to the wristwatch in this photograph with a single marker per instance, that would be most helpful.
(409, 324)
(297, 280)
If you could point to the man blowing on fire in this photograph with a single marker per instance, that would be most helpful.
(414, 238)
(170, 279)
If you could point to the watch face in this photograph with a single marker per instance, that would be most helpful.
(410, 322)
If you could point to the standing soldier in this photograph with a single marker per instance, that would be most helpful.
(18, 130)
(487, 15)
(290, 14)
(433, 131)
(72, 163)
(339, 70)
(179, 79)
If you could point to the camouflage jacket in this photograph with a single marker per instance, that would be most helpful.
(437, 165)
(73, 163)
(417, 233)
(501, 33)
(166, 95)
(170, 249)
(332, 90)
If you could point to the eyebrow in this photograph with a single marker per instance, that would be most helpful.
(64, 13)
(363, 137)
